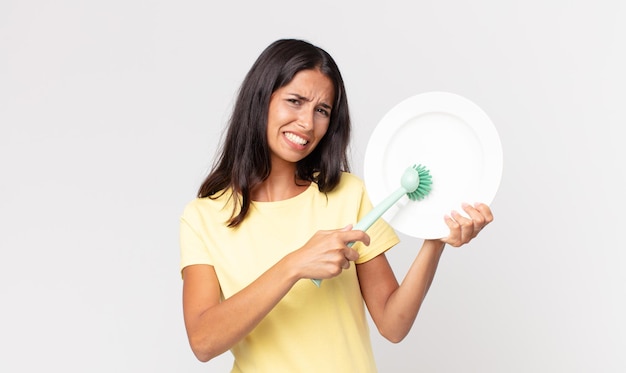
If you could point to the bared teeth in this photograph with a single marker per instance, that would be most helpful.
(295, 138)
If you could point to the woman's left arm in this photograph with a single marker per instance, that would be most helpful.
(394, 306)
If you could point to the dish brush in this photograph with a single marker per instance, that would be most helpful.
(416, 182)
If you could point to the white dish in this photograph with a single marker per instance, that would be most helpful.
(454, 139)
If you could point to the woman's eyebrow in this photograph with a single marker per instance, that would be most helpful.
(300, 97)
(326, 106)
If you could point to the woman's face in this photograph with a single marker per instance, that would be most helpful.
(299, 115)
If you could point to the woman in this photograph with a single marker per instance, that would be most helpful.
(276, 211)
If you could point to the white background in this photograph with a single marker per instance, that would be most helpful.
(110, 115)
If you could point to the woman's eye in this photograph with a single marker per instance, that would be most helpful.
(324, 112)
(293, 101)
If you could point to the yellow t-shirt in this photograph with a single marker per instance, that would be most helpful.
(311, 329)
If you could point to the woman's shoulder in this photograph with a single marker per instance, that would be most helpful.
(350, 181)
(203, 206)
(351, 178)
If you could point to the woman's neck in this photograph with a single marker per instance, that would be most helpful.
(281, 184)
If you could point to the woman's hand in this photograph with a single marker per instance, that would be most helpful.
(462, 229)
(327, 254)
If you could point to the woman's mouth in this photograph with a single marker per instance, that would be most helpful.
(296, 139)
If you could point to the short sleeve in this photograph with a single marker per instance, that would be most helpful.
(382, 236)
(193, 249)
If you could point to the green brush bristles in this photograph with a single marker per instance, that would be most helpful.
(425, 183)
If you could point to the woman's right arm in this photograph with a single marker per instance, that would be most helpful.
(214, 326)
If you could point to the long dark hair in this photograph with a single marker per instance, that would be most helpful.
(244, 158)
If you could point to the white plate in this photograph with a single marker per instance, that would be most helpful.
(454, 139)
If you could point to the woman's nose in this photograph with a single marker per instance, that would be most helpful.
(305, 118)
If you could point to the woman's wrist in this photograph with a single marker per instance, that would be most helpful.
(289, 268)
(435, 245)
